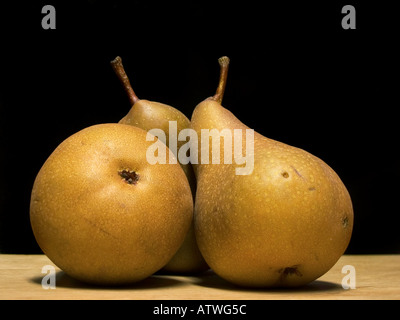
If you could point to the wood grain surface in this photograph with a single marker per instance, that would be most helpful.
(376, 277)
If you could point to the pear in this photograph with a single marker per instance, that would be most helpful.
(149, 115)
(284, 222)
(102, 213)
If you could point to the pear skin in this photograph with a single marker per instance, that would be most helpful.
(283, 225)
(102, 213)
(149, 115)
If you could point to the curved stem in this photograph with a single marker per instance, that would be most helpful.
(119, 70)
(224, 66)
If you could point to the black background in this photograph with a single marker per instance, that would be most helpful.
(295, 76)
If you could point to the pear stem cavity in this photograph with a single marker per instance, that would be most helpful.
(224, 66)
(119, 70)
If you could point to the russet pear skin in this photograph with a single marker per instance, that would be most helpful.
(285, 224)
(149, 115)
(102, 213)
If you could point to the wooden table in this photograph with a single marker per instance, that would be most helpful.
(376, 277)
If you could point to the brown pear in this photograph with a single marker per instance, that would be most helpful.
(149, 115)
(102, 213)
(283, 218)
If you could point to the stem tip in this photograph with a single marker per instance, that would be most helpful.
(224, 61)
(224, 66)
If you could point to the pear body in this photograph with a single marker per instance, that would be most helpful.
(149, 115)
(285, 224)
(102, 213)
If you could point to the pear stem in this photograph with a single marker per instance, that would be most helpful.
(119, 70)
(223, 76)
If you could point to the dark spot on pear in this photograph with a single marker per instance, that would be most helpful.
(345, 222)
(285, 174)
(289, 271)
(129, 176)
